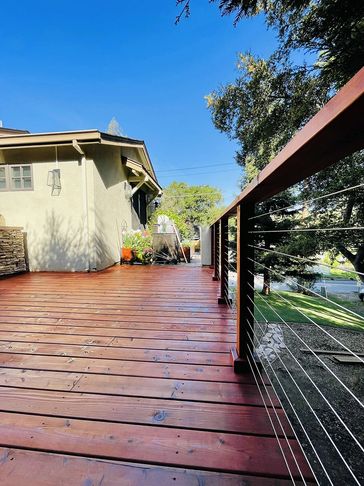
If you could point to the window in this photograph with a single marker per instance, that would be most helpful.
(16, 177)
(3, 183)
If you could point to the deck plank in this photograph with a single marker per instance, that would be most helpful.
(203, 391)
(149, 369)
(115, 341)
(146, 324)
(175, 447)
(17, 466)
(120, 333)
(88, 350)
(124, 409)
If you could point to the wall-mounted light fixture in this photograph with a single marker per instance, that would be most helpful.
(54, 181)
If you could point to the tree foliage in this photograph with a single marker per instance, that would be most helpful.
(265, 106)
(114, 127)
(190, 206)
(267, 220)
(343, 210)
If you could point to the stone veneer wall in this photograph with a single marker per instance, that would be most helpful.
(12, 252)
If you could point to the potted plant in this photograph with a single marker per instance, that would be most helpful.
(127, 248)
(137, 247)
(143, 251)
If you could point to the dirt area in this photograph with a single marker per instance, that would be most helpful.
(351, 412)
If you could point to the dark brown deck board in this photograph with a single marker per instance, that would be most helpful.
(129, 369)
(113, 340)
(165, 413)
(122, 333)
(175, 447)
(147, 355)
(152, 369)
(17, 466)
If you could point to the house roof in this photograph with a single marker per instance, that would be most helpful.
(11, 131)
(82, 137)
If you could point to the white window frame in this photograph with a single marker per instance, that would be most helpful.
(9, 178)
(2, 189)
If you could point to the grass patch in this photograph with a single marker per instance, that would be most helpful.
(319, 310)
(337, 274)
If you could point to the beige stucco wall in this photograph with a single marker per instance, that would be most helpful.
(80, 228)
(109, 207)
(54, 224)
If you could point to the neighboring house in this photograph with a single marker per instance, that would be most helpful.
(74, 193)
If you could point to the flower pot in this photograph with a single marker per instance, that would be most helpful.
(126, 254)
(187, 252)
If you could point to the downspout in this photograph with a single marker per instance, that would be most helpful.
(57, 163)
(85, 203)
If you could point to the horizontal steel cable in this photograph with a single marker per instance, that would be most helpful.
(303, 203)
(310, 290)
(269, 250)
(306, 230)
(272, 424)
(328, 435)
(291, 404)
(317, 325)
(320, 392)
(313, 352)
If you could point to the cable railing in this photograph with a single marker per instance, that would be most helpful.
(289, 325)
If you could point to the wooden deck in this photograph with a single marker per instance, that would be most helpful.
(123, 378)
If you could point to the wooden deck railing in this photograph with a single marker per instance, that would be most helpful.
(335, 132)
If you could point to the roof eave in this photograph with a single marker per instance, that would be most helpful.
(39, 140)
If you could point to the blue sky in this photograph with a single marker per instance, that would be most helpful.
(74, 65)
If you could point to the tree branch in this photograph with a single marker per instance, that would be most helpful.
(185, 12)
(347, 254)
(349, 209)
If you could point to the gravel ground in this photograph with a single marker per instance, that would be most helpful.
(351, 412)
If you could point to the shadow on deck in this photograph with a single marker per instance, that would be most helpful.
(123, 378)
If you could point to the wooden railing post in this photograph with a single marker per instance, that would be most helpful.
(212, 236)
(224, 261)
(216, 257)
(244, 289)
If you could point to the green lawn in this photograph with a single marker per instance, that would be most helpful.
(337, 274)
(319, 310)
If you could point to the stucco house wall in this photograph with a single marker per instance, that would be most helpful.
(79, 226)
(111, 208)
(54, 225)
